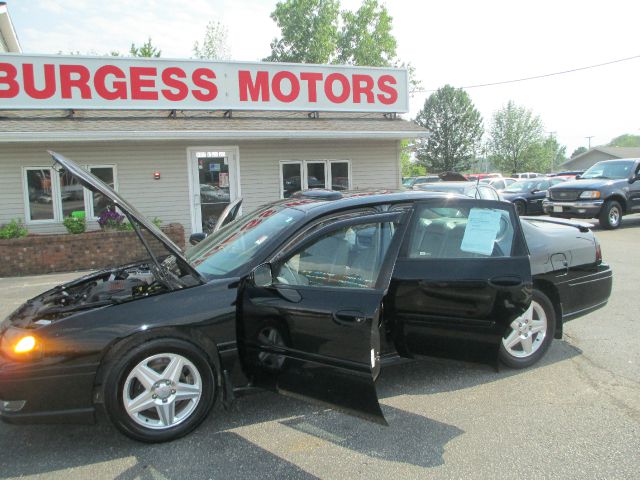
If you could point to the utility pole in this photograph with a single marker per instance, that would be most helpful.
(589, 138)
(553, 159)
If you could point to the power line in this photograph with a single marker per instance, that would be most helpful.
(539, 76)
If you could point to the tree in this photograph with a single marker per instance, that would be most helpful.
(578, 151)
(626, 140)
(515, 138)
(410, 168)
(215, 45)
(146, 50)
(545, 156)
(366, 37)
(309, 31)
(456, 129)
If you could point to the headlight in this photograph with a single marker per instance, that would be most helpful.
(20, 344)
(590, 194)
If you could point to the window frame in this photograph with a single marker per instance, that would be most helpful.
(328, 170)
(56, 204)
(56, 194)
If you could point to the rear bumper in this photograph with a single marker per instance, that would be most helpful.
(51, 394)
(577, 209)
(587, 293)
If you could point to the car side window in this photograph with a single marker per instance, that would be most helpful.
(350, 257)
(487, 193)
(461, 232)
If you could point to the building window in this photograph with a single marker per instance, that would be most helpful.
(50, 197)
(39, 194)
(71, 196)
(308, 174)
(98, 203)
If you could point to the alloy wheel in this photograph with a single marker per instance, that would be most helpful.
(527, 332)
(614, 216)
(162, 391)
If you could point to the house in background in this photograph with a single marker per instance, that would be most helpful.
(8, 39)
(598, 154)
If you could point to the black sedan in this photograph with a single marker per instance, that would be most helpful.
(528, 195)
(303, 296)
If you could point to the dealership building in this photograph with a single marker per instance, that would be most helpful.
(181, 139)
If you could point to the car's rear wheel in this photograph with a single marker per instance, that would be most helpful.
(610, 215)
(160, 390)
(521, 208)
(528, 337)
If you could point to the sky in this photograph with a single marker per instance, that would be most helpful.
(461, 43)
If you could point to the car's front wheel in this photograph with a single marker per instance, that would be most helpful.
(610, 215)
(528, 337)
(160, 390)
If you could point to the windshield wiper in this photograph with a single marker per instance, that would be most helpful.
(598, 176)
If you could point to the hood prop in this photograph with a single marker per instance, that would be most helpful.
(159, 269)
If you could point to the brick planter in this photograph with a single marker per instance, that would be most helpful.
(36, 254)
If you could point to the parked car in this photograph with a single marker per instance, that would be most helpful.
(528, 195)
(499, 183)
(213, 194)
(473, 177)
(469, 189)
(413, 181)
(303, 296)
(522, 175)
(568, 174)
(606, 191)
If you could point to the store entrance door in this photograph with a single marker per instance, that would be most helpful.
(213, 185)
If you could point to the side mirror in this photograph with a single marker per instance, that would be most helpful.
(262, 275)
(634, 178)
(196, 238)
(578, 177)
(535, 190)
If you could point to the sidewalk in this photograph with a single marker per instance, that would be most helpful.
(15, 290)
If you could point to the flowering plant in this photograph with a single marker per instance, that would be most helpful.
(110, 219)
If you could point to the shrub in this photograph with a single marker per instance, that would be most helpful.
(110, 219)
(128, 227)
(14, 229)
(75, 224)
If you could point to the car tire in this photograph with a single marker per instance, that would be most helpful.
(528, 337)
(170, 376)
(521, 207)
(611, 215)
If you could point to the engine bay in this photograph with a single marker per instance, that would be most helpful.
(100, 289)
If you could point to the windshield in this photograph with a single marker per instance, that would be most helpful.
(240, 242)
(613, 170)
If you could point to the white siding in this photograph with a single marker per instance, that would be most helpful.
(374, 163)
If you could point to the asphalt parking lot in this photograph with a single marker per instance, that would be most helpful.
(575, 415)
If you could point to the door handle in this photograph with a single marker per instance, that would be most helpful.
(349, 318)
(506, 281)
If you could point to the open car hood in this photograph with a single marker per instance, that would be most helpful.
(89, 181)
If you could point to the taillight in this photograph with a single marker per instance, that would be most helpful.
(598, 253)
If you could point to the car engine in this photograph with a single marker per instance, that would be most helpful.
(92, 291)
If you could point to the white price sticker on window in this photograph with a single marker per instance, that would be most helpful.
(481, 231)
